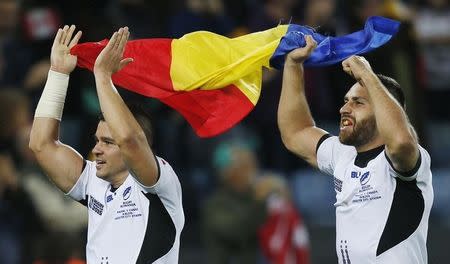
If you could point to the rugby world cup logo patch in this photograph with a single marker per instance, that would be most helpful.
(127, 193)
(363, 177)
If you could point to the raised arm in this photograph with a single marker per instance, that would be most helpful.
(61, 163)
(125, 130)
(392, 122)
(297, 127)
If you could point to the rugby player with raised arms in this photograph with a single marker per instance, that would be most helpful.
(133, 197)
(382, 176)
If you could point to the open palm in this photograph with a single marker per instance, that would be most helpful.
(111, 60)
(60, 58)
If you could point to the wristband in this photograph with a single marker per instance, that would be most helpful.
(51, 103)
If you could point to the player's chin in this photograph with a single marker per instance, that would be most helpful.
(101, 174)
(345, 138)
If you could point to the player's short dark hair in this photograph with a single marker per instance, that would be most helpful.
(394, 89)
(142, 116)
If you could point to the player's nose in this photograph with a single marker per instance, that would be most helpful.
(97, 150)
(345, 109)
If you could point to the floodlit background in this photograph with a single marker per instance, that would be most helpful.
(228, 180)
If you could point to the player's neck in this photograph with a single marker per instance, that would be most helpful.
(370, 145)
(118, 179)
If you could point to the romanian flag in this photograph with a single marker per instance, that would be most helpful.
(215, 81)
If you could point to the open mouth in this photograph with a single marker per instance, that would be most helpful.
(99, 163)
(346, 123)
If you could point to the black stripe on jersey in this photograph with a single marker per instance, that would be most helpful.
(405, 215)
(363, 158)
(84, 201)
(409, 173)
(84, 166)
(322, 139)
(159, 169)
(160, 233)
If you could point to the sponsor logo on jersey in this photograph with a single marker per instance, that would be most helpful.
(109, 198)
(95, 205)
(363, 177)
(127, 193)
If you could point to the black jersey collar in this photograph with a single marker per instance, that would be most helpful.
(363, 158)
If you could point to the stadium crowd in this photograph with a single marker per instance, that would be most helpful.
(39, 224)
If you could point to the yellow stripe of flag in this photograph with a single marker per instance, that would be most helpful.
(210, 61)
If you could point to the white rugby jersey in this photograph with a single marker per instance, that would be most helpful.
(381, 215)
(133, 224)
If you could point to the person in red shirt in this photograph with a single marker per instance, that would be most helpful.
(283, 237)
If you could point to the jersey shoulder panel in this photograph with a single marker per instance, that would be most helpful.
(421, 172)
(79, 190)
(330, 152)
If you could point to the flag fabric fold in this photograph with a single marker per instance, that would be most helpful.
(215, 81)
(330, 50)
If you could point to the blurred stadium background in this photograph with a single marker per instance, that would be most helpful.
(38, 223)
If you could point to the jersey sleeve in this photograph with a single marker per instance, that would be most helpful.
(79, 190)
(168, 186)
(327, 154)
(423, 162)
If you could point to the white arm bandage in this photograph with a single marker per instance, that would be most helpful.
(52, 100)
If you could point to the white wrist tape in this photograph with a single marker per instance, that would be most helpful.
(52, 100)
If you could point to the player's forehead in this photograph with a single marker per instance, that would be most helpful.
(102, 130)
(357, 91)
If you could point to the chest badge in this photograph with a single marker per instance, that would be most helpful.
(127, 193)
(95, 205)
(363, 177)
